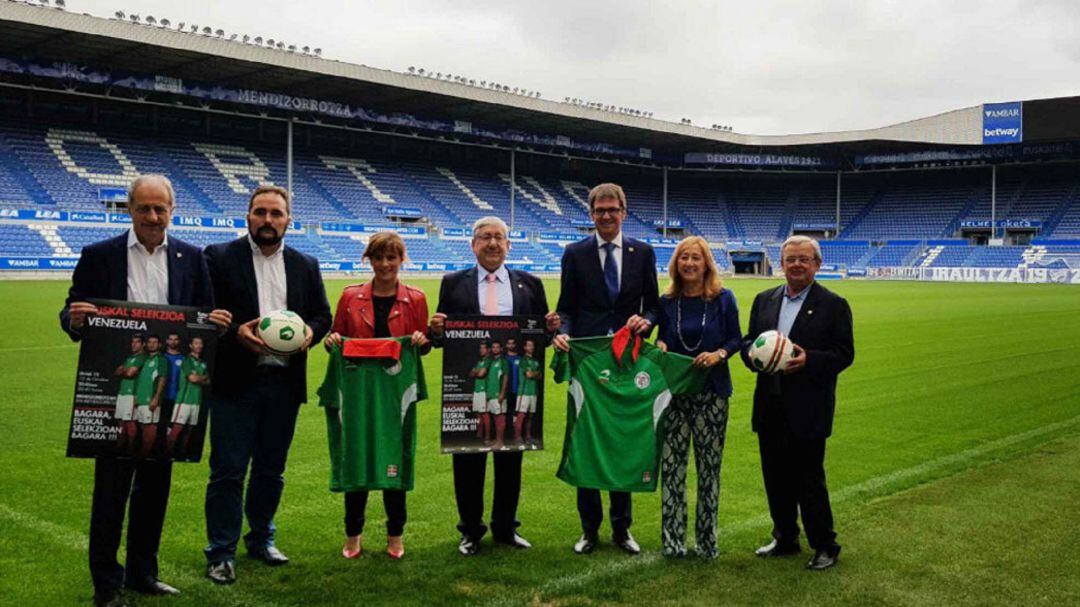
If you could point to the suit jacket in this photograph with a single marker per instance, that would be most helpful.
(232, 272)
(823, 328)
(584, 304)
(102, 273)
(458, 294)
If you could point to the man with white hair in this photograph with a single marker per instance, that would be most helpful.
(492, 289)
(141, 265)
(793, 411)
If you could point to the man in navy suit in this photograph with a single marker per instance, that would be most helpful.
(608, 280)
(257, 394)
(492, 289)
(793, 412)
(141, 265)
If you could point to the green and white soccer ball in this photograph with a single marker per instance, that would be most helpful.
(283, 331)
(771, 352)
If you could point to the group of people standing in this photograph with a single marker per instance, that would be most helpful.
(609, 281)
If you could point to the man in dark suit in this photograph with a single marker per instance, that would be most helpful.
(257, 394)
(793, 411)
(140, 265)
(608, 281)
(492, 289)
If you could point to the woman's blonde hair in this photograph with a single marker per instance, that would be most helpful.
(711, 279)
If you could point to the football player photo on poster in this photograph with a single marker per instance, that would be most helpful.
(143, 374)
(493, 384)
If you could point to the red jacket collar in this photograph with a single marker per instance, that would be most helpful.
(367, 288)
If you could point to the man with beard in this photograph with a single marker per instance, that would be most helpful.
(193, 377)
(127, 371)
(149, 393)
(175, 358)
(257, 394)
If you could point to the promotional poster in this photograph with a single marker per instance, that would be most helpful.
(493, 384)
(143, 376)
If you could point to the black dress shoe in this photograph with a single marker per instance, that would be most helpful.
(586, 544)
(221, 573)
(151, 585)
(775, 548)
(823, 559)
(514, 540)
(269, 555)
(468, 546)
(109, 598)
(627, 542)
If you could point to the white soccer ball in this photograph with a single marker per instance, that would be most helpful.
(283, 331)
(771, 352)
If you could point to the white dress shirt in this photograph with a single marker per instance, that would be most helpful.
(271, 286)
(503, 289)
(618, 252)
(147, 273)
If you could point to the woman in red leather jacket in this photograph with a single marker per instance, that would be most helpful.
(384, 307)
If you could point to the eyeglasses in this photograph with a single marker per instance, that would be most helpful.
(801, 260)
(146, 209)
(491, 238)
(610, 211)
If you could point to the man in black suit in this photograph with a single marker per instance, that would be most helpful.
(140, 265)
(257, 394)
(608, 280)
(492, 289)
(793, 411)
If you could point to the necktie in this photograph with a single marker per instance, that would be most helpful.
(611, 272)
(491, 297)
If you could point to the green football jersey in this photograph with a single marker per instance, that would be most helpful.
(620, 388)
(189, 393)
(127, 386)
(154, 368)
(527, 385)
(480, 384)
(497, 370)
(370, 418)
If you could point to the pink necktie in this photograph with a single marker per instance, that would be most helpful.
(491, 297)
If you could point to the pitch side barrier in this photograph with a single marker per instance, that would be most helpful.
(1018, 275)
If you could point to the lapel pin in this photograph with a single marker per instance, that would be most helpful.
(631, 249)
(179, 254)
(809, 312)
(521, 286)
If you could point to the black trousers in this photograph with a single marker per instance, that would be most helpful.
(469, 471)
(591, 510)
(147, 484)
(356, 505)
(793, 469)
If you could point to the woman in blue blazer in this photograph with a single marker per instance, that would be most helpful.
(697, 317)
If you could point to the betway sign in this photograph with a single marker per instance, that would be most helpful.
(1003, 122)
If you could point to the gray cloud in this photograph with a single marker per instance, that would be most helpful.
(767, 67)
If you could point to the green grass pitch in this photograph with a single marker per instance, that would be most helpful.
(953, 469)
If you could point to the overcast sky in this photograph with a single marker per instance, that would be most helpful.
(762, 67)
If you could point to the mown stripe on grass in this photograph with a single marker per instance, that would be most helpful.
(64, 537)
(896, 479)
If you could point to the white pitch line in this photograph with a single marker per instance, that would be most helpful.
(70, 538)
(870, 485)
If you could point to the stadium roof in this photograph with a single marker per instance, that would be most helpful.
(30, 31)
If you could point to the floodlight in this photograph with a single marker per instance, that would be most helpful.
(280, 45)
(60, 3)
(119, 14)
(258, 40)
(194, 28)
(270, 42)
(292, 48)
(163, 22)
(181, 25)
(207, 31)
(307, 50)
(246, 38)
(232, 37)
(412, 69)
(150, 20)
(318, 51)
(219, 33)
(134, 18)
